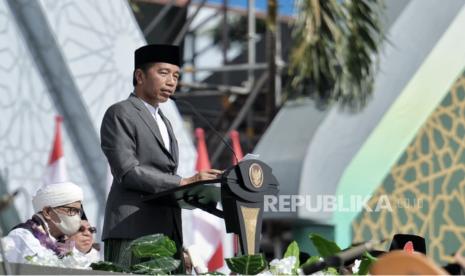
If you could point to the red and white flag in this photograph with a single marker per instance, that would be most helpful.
(209, 230)
(55, 171)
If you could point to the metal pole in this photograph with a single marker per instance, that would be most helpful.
(185, 28)
(242, 113)
(205, 20)
(225, 40)
(278, 64)
(251, 59)
(220, 88)
(194, 55)
(159, 17)
(272, 8)
(231, 67)
(166, 37)
(251, 41)
(204, 49)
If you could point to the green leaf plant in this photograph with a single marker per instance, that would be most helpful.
(247, 265)
(157, 252)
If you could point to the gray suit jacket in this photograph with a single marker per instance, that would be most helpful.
(140, 165)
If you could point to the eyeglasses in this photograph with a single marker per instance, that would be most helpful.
(70, 211)
(91, 229)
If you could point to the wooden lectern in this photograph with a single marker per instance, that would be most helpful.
(241, 191)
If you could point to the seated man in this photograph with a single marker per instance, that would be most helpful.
(57, 213)
(84, 241)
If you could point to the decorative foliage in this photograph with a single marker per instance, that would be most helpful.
(335, 45)
(158, 248)
(161, 265)
(152, 246)
(324, 247)
(367, 261)
(311, 260)
(293, 251)
(107, 266)
(212, 273)
(247, 265)
(48, 258)
(330, 271)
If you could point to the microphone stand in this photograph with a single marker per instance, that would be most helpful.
(194, 110)
(340, 258)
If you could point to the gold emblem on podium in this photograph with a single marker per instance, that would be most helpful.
(256, 175)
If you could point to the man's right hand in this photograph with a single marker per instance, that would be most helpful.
(203, 175)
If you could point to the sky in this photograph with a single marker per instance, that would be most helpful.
(286, 7)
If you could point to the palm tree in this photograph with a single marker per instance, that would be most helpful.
(334, 52)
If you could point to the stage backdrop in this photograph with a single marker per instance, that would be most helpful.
(426, 186)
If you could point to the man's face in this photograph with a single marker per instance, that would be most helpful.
(84, 237)
(158, 82)
(51, 215)
(70, 209)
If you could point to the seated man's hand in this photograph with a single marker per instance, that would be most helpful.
(203, 175)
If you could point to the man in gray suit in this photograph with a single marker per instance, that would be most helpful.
(142, 150)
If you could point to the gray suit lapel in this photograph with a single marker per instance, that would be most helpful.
(150, 122)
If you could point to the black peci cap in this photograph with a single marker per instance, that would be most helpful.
(400, 240)
(83, 214)
(157, 53)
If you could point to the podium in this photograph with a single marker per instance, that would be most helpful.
(241, 191)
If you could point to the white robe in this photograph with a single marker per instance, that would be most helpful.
(93, 256)
(21, 243)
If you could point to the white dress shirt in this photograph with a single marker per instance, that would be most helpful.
(161, 124)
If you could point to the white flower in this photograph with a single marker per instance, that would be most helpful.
(265, 273)
(356, 266)
(283, 266)
(48, 258)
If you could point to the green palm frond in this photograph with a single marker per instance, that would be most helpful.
(335, 48)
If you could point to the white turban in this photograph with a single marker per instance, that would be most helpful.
(56, 194)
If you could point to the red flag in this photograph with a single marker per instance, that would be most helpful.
(203, 162)
(56, 167)
(217, 260)
(208, 230)
(236, 144)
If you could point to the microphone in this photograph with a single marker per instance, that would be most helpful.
(340, 258)
(7, 199)
(194, 110)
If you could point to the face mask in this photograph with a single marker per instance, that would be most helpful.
(69, 225)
